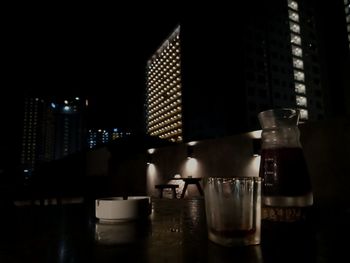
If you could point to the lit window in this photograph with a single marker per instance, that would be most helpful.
(293, 15)
(293, 4)
(295, 39)
(298, 63)
(304, 115)
(300, 88)
(299, 75)
(294, 27)
(297, 51)
(301, 101)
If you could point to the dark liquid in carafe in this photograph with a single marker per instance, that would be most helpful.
(284, 172)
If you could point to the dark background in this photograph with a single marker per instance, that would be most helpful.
(101, 52)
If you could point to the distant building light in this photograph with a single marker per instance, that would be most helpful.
(115, 130)
(65, 101)
(66, 108)
(53, 105)
(77, 98)
(26, 170)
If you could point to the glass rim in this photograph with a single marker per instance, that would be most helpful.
(242, 178)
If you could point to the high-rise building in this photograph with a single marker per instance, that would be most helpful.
(101, 136)
(211, 77)
(52, 129)
(347, 17)
(164, 107)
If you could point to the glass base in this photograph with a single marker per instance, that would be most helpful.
(251, 239)
(288, 201)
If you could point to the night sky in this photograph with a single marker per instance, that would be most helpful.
(94, 51)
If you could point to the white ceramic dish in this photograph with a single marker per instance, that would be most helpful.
(117, 209)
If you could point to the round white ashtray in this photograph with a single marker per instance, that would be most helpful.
(116, 209)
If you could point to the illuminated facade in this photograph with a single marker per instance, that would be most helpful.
(31, 129)
(297, 57)
(52, 129)
(101, 136)
(347, 17)
(287, 70)
(270, 60)
(164, 95)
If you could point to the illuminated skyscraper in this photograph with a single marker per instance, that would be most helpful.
(164, 107)
(347, 17)
(228, 69)
(52, 129)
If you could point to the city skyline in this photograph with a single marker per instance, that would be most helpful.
(103, 58)
(97, 55)
(202, 84)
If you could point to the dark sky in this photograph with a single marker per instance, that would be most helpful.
(94, 51)
(89, 52)
(97, 51)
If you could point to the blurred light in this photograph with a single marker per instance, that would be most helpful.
(191, 166)
(151, 151)
(255, 134)
(53, 105)
(66, 108)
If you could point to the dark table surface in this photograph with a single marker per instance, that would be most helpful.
(175, 232)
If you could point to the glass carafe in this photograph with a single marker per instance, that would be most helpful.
(286, 181)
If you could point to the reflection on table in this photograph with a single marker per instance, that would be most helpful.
(174, 232)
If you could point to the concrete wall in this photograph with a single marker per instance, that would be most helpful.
(326, 148)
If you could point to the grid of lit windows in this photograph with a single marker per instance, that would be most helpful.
(30, 128)
(164, 97)
(101, 136)
(298, 64)
(347, 17)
